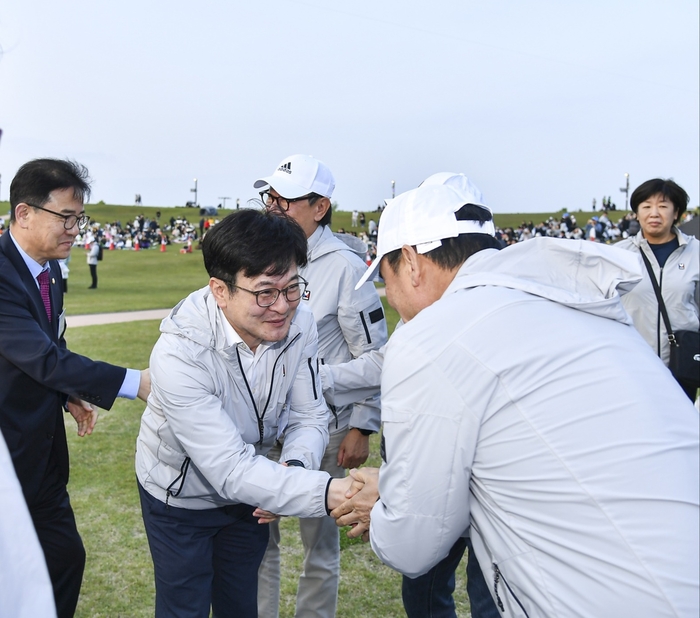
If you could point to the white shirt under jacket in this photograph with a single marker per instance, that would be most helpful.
(525, 399)
(203, 437)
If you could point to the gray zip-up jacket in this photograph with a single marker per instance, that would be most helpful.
(679, 281)
(204, 433)
(350, 322)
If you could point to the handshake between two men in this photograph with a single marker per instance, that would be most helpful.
(352, 506)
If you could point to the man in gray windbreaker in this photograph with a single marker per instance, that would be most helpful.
(580, 502)
(350, 323)
(235, 367)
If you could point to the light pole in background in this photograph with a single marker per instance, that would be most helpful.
(626, 190)
(223, 202)
(393, 189)
(195, 192)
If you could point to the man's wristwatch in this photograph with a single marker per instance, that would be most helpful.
(364, 432)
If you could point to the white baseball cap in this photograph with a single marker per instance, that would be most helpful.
(423, 217)
(460, 183)
(299, 175)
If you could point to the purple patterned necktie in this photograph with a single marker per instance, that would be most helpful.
(43, 279)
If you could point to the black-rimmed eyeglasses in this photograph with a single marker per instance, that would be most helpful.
(282, 202)
(269, 296)
(69, 221)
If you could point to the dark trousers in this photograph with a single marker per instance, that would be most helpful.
(689, 389)
(430, 595)
(202, 559)
(54, 522)
(93, 274)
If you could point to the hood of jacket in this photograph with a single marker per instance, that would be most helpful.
(328, 242)
(579, 274)
(197, 318)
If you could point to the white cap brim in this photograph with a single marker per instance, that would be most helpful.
(422, 217)
(370, 273)
(283, 186)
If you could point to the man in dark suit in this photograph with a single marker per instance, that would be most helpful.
(40, 376)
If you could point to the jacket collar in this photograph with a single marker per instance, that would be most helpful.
(639, 240)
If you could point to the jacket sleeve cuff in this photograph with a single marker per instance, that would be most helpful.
(328, 488)
(130, 385)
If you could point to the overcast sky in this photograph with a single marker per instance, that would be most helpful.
(544, 104)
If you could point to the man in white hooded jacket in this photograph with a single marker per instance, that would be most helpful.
(582, 501)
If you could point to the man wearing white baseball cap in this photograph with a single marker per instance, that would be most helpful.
(350, 323)
(431, 593)
(569, 499)
(423, 229)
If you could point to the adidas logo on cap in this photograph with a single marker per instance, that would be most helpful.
(308, 176)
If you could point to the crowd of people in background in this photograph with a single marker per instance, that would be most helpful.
(145, 233)
(597, 229)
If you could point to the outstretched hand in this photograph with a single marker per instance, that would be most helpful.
(84, 414)
(361, 498)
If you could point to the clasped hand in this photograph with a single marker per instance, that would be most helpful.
(350, 501)
(354, 506)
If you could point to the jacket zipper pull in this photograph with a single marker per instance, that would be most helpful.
(496, 579)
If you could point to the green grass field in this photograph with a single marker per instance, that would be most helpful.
(133, 280)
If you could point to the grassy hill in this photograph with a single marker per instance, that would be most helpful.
(104, 213)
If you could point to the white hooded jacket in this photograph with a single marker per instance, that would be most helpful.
(203, 436)
(524, 403)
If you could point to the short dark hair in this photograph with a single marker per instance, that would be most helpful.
(455, 251)
(253, 242)
(36, 179)
(668, 188)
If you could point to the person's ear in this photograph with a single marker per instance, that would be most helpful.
(220, 291)
(413, 262)
(321, 207)
(22, 213)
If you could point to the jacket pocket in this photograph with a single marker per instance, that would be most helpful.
(501, 587)
(175, 488)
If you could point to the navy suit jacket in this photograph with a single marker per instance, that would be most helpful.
(37, 372)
